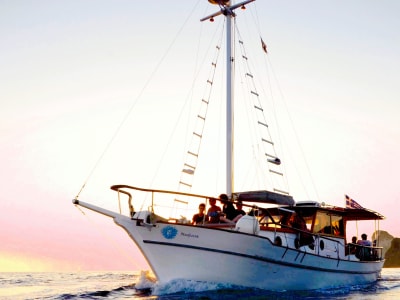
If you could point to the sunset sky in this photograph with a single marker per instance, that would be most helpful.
(70, 71)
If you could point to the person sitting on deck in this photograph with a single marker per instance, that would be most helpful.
(239, 209)
(364, 253)
(352, 247)
(229, 212)
(364, 241)
(201, 217)
(297, 222)
(228, 209)
(214, 211)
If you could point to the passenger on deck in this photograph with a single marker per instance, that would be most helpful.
(364, 241)
(228, 209)
(201, 217)
(352, 247)
(214, 211)
(297, 222)
(364, 253)
(229, 212)
(285, 220)
(239, 209)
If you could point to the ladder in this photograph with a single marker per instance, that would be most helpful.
(192, 155)
(273, 162)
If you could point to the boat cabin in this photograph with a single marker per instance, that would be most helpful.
(309, 221)
(314, 217)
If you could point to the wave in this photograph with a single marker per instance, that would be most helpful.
(188, 289)
(143, 285)
(114, 293)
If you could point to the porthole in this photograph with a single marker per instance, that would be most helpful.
(321, 245)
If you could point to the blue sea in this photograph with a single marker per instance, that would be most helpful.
(139, 285)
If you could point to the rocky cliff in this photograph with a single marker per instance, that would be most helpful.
(393, 255)
(385, 240)
(391, 248)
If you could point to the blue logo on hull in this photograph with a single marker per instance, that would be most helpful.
(169, 232)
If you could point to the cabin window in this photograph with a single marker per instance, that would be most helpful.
(308, 217)
(337, 225)
(329, 224)
(266, 220)
(322, 223)
(309, 221)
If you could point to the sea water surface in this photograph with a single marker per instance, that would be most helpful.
(141, 285)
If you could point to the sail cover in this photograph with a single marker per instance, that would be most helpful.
(265, 197)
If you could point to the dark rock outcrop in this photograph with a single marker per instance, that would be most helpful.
(385, 240)
(393, 255)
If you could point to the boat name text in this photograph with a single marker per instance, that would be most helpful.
(189, 235)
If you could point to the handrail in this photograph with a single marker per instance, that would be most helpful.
(366, 253)
(118, 188)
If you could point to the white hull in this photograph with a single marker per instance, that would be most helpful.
(176, 251)
(204, 254)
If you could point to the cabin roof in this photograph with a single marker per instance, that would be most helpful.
(265, 197)
(350, 214)
(354, 214)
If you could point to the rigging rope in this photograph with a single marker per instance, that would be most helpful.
(272, 160)
(197, 72)
(269, 68)
(125, 118)
(195, 144)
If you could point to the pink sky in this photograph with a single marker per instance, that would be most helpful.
(69, 71)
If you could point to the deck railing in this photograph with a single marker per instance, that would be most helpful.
(364, 253)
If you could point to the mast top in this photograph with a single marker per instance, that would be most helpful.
(219, 2)
(225, 8)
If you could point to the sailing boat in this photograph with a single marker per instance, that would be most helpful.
(280, 244)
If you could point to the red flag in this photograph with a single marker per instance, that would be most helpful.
(264, 46)
(350, 203)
